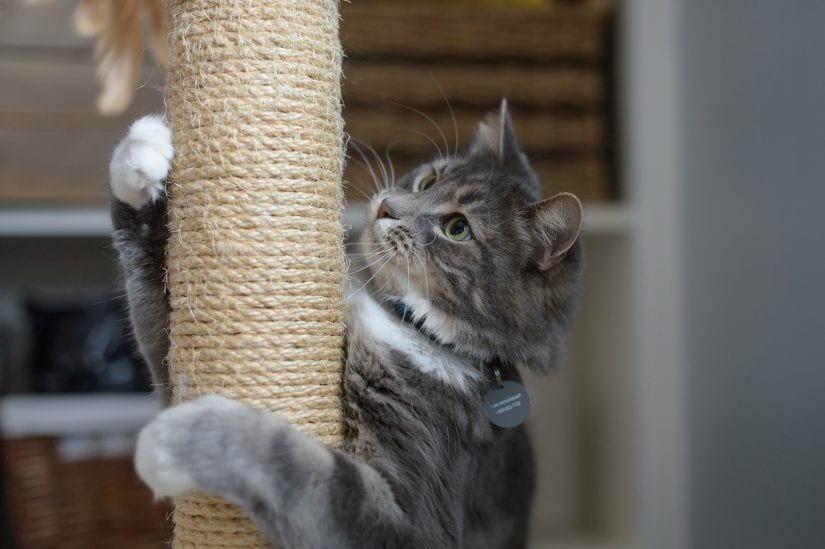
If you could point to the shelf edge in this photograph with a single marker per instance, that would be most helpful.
(56, 222)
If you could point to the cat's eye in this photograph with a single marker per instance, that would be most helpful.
(457, 228)
(426, 182)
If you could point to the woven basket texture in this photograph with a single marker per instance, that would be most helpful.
(90, 503)
(405, 60)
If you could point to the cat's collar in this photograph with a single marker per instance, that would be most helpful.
(495, 370)
(405, 313)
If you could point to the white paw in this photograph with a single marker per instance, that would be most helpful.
(158, 457)
(140, 162)
(156, 464)
(156, 460)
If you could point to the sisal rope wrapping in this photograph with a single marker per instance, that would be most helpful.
(255, 261)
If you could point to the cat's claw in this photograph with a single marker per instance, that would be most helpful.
(141, 161)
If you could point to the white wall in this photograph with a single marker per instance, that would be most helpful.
(754, 224)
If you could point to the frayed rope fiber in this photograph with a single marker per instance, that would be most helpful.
(255, 255)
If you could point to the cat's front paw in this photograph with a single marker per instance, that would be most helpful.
(157, 461)
(141, 161)
(185, 443)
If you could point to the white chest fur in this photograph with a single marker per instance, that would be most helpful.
(388, 331)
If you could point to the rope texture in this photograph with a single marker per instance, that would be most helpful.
(255, 261)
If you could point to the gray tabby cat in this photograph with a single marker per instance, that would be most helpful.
(480, 275)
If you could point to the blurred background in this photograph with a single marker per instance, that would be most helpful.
(690, 412)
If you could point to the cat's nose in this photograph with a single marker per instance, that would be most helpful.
(384, 211)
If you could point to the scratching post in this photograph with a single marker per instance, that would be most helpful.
(255, 260)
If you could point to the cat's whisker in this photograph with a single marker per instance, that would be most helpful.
(366, 263)
(362, 259)
(379, 162)
(362, 255)
(384, 285)
(376, 247)
(365, 243)
(112, 298)
(379, 260)
(374, 252)
(357, 243)
(367, 254)
(452, 115)
(375, 179)
(370, 279)
(446, 152)
(375, 170)
(369, 244)
(363, 193)
(430, 139)
(389, 160)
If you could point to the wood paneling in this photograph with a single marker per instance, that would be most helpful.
(407, 61)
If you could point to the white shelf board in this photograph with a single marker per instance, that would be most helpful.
(55, 222)
(75, 414)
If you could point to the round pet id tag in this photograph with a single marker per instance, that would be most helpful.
(507, 405)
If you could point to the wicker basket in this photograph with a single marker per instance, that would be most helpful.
(68, 475)
(93, 502)
(552, 63)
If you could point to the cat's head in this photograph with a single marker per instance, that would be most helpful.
(474, 254)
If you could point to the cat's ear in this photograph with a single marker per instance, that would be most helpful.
(495, 135)
(557, 223)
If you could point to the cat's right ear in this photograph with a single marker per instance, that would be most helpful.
(556, 225)
(495, 136)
